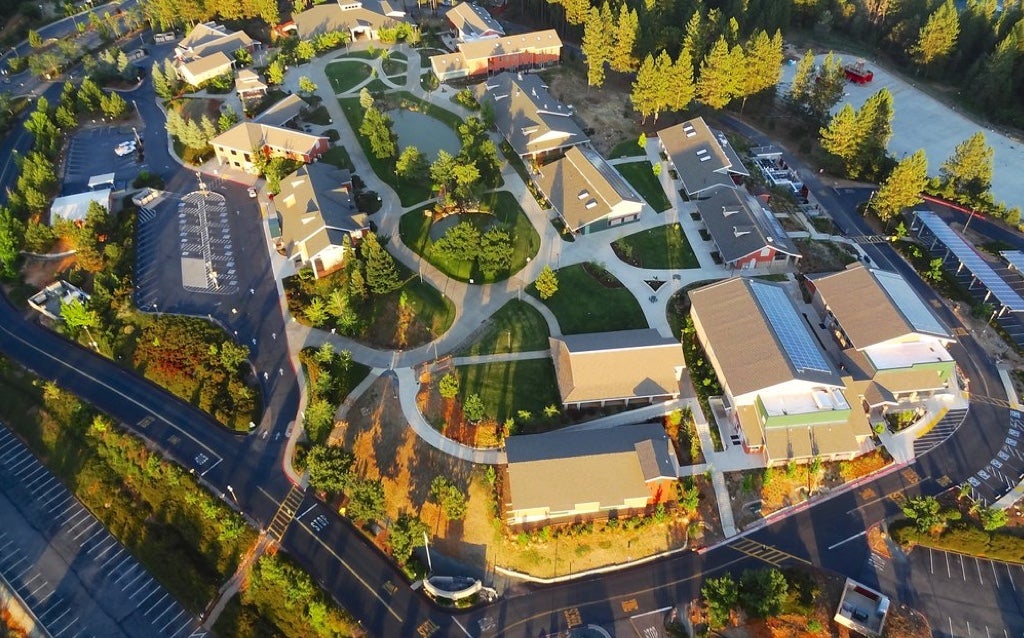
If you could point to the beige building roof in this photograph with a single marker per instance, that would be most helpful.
(447, 63)
(473, 21)
(584, 188)
(208, 38)
(874, 306)
(282, 112)
(645, 364)
(249, 135)
(533, 41)
(329, 17)
(316, 209)
(248, 80)
(745, 348)
(197, 70)
(560, 470)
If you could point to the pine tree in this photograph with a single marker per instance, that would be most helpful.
(595, 46)
(645, 89)
(160, 84)
(762, 64)
(381, 272)
(937, 37)
(695, 41)
(622, 57)
(902, 189)
(874, 121)
(208, 127)
(716, 85)
(681, 82)
(968, 171)
(10, 240)
(842, 135)
(803, 80)
(665, 89)
(827, 86)
(228, 118)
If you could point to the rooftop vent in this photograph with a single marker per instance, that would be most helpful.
(727, 211)
(591, 204)
(583, 194)
(739, 233)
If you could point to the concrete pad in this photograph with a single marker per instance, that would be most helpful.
(193, 272)
(921, 121)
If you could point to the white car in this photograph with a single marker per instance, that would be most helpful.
(252, 193)
(124, 148)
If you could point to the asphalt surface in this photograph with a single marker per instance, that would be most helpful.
(78, 579)
(355, 573)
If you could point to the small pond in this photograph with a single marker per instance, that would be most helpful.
(423, 132)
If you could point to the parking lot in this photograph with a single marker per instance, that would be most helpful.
(1004, 470)
(988, 595)
(922, 122)
(91, 152)
(207, 256)
(76, 577)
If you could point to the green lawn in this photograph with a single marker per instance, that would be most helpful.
(338, 156)
(409, 193)
(516, 327)
(508, 387)
(345, 76)
(414, 229)
(661, 247)
(394, 65)
(584, 304)
(626, 148)
(641, 176)
(410, 102)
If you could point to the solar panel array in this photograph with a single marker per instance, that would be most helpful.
(796, 341)
(1015, 257)
(909, 304)
(970, 258)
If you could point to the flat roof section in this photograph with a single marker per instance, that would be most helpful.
(905, 355)
(972, 260)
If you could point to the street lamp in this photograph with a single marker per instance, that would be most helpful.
(231, 491)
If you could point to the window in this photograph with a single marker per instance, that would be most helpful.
(248, 157)
(234, 152)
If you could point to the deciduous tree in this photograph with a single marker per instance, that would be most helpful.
(404, 535)
(546, 283)
(411, 164)
(330, 468)
(721, 595)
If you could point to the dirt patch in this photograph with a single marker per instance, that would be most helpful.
(43, 272)
(606, 109)
(823, 256)
(757, 497)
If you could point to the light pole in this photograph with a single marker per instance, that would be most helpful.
(231, 491)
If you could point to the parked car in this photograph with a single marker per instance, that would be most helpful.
(125, 148)
(252, 193)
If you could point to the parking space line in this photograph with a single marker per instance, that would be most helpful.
(171, 607)
(23, 572)
(134, 580)
(48, 493)
(43, 482)
(33, 474)
(141, 602)
(171, 621)
(124, 574)
(69, 626)
(33, 592)
(978, 565)
(88, 521)
(98, 532)
(14, 564)
(114, 557)
(54, 498)
(23, 462)
(155, 604)
(81, 515)
(101, 544)
(16, 454)
(949, 574)
(124, 560)
(65, 613)
(45, 598)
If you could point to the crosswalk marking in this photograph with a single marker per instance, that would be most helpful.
(771, 555)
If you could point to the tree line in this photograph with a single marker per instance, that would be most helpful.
(979, 49)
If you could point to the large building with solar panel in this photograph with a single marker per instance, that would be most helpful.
(892, 344)
(807, 380)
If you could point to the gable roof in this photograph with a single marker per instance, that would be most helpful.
(282, 112)
(702, 156)
(749, 351)
(316, 208)
(472, 19)
(202, 66)
(740, 226)
(249, 135)
(249, 80)
(532, 41)
(606, 466)
(208, 38)
(645, 365)
(527, 115)
(329, 17)
(584, 187)
(873, 306)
